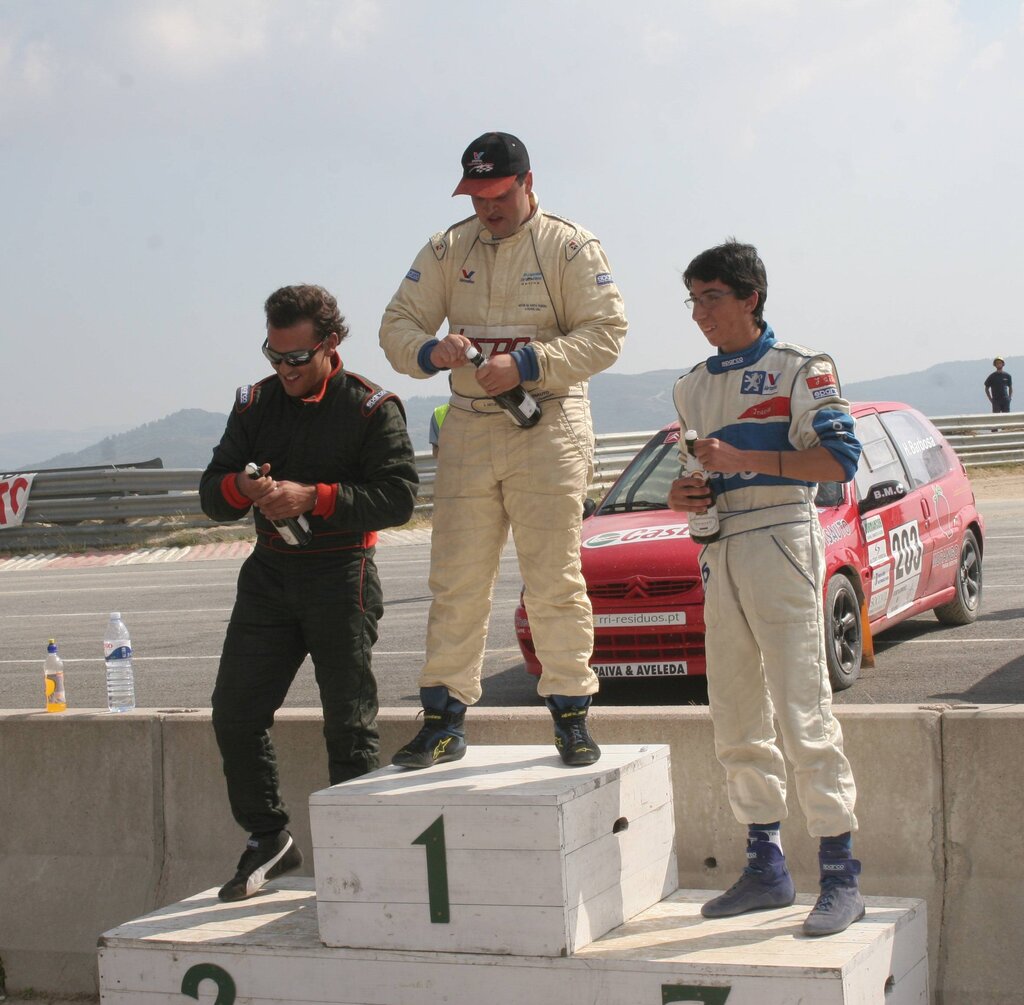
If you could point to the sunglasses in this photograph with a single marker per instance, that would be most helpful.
(300, 358)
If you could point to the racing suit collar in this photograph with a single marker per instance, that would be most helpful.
(488, 238)
(727, 362)
(335, 370)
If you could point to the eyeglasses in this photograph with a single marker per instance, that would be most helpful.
(301, 358)
(707, 300)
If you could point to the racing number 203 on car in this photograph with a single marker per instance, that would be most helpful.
(903, 537)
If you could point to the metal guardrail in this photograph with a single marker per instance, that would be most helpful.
(72, 509)
(984, 439)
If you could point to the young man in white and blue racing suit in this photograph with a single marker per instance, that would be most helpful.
(772, 423)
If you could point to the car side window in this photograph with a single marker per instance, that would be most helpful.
(879, 461)
(920, 443)
(829, 495)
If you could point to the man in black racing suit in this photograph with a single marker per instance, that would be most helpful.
(332, 447)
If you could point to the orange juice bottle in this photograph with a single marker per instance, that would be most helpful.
(53, 669)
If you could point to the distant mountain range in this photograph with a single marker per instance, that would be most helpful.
(620, 403)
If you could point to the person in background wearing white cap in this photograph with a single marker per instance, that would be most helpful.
(999, 386)
(535, 295)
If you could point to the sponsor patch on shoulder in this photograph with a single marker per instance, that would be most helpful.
(375, 399)
(825, 392)
(244, 397)
(821, 380)
(413, 275)
(604, 279)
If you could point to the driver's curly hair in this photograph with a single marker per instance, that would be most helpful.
(291, 304)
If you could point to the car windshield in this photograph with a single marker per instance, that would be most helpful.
(646, 480)
(645, 483)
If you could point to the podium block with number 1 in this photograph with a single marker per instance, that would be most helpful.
(505, 851)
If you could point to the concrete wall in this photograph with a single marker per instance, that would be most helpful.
(108, 817)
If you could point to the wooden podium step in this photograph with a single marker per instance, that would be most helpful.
(505, 851)
(267, 951)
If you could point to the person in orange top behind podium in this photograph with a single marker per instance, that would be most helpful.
(324, 450)
(772, 423)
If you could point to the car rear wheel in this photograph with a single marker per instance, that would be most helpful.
(963, 608)
(844, 642)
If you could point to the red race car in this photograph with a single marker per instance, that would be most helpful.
(901, 538)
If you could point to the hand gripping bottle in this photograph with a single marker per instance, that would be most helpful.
(703, 526)
(53, 670)
(117, 654)
(520, 406)
(294, 530)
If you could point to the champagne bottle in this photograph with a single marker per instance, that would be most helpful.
(704, 526)
(519, 405)
(294, 530)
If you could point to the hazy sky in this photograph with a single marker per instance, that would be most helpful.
(166, 164)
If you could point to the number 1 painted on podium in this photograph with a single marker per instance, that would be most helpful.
(432, 840)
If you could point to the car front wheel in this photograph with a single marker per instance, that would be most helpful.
(844, 642)
(963, 608)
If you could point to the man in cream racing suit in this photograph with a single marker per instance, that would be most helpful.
(772, 423)
(534, 293)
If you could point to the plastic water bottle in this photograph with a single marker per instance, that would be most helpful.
(520, 406)
(704, 526)
(117, 652)
(53, 671)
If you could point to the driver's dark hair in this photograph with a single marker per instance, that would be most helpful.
(290, 305)
(738, 266)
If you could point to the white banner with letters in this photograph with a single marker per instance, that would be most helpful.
(14, 490)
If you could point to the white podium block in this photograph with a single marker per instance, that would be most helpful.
(505, 851)
(267, 951)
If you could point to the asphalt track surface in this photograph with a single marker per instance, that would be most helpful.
(177, 612)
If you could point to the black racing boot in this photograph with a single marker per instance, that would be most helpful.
(264, 858)
(840, 903)
(443, 734)
(572, 738)
(764, 884)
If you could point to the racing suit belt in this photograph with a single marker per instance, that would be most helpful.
(781, 514)
(489, 406)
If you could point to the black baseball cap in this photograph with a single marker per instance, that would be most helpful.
(490, 164)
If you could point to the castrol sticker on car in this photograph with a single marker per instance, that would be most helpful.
(673, 669)
(639, 619)
(611, 538)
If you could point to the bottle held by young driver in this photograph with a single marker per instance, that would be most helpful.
(53, 672)
(294, 530)
(117, 654)
(704, 526)
(519, 405)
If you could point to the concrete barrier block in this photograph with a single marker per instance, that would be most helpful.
(896, 755)
(203, 840)
(82, 840)
(981, 959)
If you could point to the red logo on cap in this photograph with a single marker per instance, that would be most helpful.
(476, 163)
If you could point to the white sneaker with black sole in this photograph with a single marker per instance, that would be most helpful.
(264, 858)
